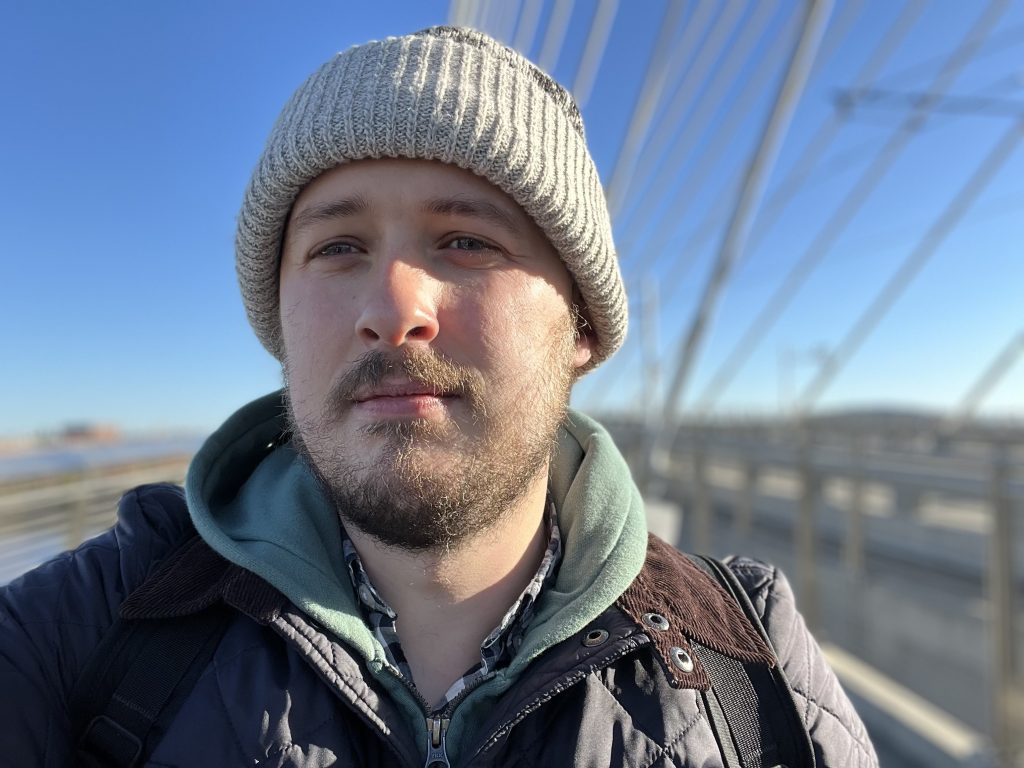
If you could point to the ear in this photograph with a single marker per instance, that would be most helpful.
(584, 348)
(585, 339)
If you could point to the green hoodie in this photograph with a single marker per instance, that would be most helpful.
(258, 505)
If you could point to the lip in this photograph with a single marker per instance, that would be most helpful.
(399, 389)
(402, 400)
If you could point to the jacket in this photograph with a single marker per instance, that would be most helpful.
(285, 689)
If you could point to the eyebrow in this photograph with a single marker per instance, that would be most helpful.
(317, 212)
(474, 208)
(443, 206)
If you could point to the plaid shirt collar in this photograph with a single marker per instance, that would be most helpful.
(498, 648)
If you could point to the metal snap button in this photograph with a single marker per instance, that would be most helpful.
(655, 621)
(681, 659)
(595, 637)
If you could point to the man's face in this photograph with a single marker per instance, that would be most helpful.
(430, 347)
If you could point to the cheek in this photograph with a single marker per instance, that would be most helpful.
(312, 324)
(514, 320)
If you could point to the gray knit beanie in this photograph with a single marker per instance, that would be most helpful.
(448, 94)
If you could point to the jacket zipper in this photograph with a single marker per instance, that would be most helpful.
(631, 644)
(437, 722)
(437, 731)
(437, 727)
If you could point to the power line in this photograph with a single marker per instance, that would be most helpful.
(999, 42)
(910, 268)
(852, 157)
(851, 99)
(896, 238)
(838, 222)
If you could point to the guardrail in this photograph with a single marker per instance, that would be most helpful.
(836, 487)
(42, 516)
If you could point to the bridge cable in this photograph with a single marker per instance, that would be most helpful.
(786, 190)
(851, 204)
(912, 266)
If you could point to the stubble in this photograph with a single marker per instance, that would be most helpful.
(401, 494)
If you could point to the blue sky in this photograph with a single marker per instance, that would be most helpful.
(130, 131)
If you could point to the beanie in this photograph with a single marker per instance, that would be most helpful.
(449, 94)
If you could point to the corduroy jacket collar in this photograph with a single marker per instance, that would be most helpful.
(695, 608)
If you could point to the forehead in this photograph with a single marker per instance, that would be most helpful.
(406, 183)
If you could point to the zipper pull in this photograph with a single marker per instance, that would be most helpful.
(437, 729)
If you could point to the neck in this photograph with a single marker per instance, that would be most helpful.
(448, 600)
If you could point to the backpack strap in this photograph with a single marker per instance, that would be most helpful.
(751, 706)
(135, 682)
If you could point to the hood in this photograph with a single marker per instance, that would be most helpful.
(256, 503)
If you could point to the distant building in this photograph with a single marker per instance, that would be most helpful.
(89, 433)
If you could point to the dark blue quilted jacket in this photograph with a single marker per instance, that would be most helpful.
(279, 691)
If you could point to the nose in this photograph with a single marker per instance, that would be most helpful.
(400, 306)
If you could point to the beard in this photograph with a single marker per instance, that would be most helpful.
(432, 485)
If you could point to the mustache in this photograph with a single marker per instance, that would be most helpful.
(424, 367)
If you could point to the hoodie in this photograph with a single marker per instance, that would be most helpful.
(256, 503)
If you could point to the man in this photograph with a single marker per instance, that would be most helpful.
(418, 554)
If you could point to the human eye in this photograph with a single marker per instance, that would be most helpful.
(337, 248)
(467, 243)
(472, 252)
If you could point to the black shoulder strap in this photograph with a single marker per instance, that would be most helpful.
(751, 706)
(134, 683)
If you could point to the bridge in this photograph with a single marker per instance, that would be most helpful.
(904, 549)
(759, 146)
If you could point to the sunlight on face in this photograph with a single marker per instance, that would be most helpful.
(430, 347)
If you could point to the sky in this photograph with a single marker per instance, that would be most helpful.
(131, 129)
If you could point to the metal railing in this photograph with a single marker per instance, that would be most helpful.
(853, 501)
(838, 499)
(42, 516)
